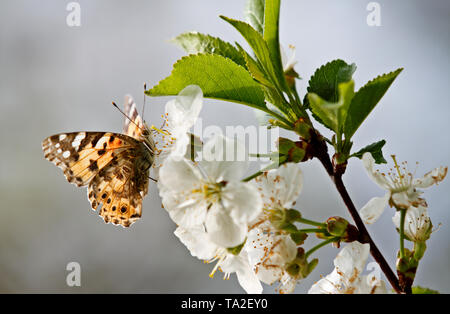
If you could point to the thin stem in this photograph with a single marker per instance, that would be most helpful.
(256, 174)
(310, 222)
(321, 244)
(313, 230)
(402, 232)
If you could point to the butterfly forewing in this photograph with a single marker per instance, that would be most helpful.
(133, 124)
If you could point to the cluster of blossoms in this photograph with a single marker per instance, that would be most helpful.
(243, 227)
(402, 194)
(411, 217)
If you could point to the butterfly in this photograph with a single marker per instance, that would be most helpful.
(114, 166)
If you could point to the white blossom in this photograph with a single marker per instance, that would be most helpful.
(280, 187)
(210, 193)
(288, 62)
(198, 242)
(347, 276)
(417, 226)
(270, 253)
(401, 187)
(180, 115)
(270, 250)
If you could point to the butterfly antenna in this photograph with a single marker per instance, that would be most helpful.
(126, 116)
(143, 107)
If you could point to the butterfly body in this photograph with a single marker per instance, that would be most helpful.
(114, 166)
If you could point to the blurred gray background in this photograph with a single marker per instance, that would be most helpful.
(54, 78)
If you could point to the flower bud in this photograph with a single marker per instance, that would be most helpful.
(419, 250)
(299, 237)
(337, 226)
(290, 150)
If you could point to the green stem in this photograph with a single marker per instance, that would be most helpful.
(321, 244)
(256, 174)
(311, 222)
(313, 230)
(402, 232)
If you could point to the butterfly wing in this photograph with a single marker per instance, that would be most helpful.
(120, 187)
(134, 127)
(114, 165)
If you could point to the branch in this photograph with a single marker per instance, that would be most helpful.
(320, 151)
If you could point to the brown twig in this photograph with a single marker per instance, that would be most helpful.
(321, 152)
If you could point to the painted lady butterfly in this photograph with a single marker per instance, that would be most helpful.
(114, 166)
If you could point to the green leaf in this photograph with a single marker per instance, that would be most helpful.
(422, 290)
(194, 42)
(257, 43)
(217, 76)
(375, 149)
(255, 69)
(271, 36)
(365, 101)
(264, 60)
(326, 79)
(333, 114)
(254, 14)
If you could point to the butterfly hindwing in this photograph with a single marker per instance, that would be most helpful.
(120, 188)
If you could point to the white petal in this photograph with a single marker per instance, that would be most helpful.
(401, 200)
(269, 253)
(327, 285)
(224, 159)
(377, 177)
(370, 285)
(184, 110)
(178, 174)
(241, 201)
(374, 208)
(184, 212)
(281, 187)
(417, 223)
(245, 274)
(351, 259)
(221, 228)
(288, 284)
(288, 63)
(433, 177)
(196, 240)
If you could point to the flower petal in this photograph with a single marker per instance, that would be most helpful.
(417, 223)
(374, 208)
(376, 176)
(178, 174)
(281, 187)
(433, 177)
(182, 112)
(269, 253)
(241, 201)
(351, 260)
(328, 285)
(221, 228)
(196, 240)
(245, 274)
(224, 159)
(184, 212)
